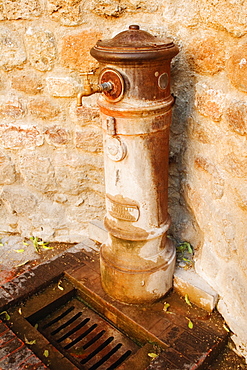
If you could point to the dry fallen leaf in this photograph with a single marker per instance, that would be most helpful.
(59, 286)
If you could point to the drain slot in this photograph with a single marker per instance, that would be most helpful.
(81, 337)
(85, 338)
(67, 324)
(72, 331)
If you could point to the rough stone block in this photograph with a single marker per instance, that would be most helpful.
(41, 48)
(7, 170)
(20, 137)
(209, 102)
(199, 131)
(57, 136)
(141, 6)
(67, 12)
(19, 205)
(11, 107)
(21, 9)
(62, 87)
(38, 171)
(12, 53)
(236, 117)
(2, 12)
(225, 16)
(206, 54)
(43, 108)
(240, 195)
(214, 178)
(69, 163)
(186, 13)
(198, 290)
(28, 83)
(235, 165)
(75, 51)
(85, 115)
(108, 8)
(75, 160)
(8, 221)
(89, 140)
(237, 67)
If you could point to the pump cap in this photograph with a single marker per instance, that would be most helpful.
(133, 45)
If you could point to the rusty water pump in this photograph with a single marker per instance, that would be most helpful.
(137, 261)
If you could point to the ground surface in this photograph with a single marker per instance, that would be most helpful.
(18, 255)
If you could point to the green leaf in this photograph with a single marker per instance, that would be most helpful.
(25, 243)
(46, 247)
(190, 250)
(185, 246)
(153, 355)
(46, 353)
(186, 298)
(29, 341)
(41, 243)
(166, 306)
(190, 323)
(36, 326)
(1, 244)
(7, 317)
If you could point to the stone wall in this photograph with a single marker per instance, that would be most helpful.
(51, 164)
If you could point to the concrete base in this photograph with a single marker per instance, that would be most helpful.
(185, 281)
(198, 290)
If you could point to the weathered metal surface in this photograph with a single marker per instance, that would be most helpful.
(137, 262)
(134, 45)
(116, 80)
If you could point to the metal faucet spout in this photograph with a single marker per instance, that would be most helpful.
(90, 90)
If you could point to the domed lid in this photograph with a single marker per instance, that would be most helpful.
(133, 45)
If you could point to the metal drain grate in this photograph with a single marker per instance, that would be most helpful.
(85, 338)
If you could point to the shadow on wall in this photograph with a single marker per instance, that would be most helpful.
(184, 225)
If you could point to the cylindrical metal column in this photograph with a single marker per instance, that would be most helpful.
(137, 261)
